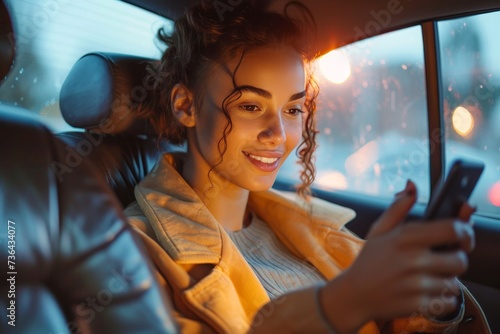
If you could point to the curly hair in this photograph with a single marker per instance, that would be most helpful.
(209, 34)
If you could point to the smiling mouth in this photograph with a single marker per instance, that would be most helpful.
(265, 164)
(263, 159)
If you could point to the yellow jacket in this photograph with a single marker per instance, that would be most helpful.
(211, 286)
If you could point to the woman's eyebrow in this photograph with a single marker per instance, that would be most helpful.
(297, 96)
(266, 94)
(252, 89)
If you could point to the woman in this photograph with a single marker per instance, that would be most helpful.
(235, 256)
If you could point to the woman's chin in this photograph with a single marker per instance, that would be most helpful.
(261, 185)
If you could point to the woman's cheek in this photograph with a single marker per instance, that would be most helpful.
(295, 133)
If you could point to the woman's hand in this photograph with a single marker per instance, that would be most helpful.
(397, 273)
(399, 209)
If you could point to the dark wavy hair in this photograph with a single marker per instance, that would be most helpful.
(210, 33)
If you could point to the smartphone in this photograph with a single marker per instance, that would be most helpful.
(449, 195)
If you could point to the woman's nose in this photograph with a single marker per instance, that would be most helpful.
(274, 131)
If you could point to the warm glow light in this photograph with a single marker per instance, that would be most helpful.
(462, 121)
(332, 180)
(494, 194)
(335, 66)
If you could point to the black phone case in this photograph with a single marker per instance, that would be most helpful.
(456, 189)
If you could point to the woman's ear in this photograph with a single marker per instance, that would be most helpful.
(183, 105)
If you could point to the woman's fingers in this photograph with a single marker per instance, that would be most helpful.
(416, 278)
(442, 264)
(434, 287)
(417, 281)
(466, 212)
(396, 212)
(436, 297)
(438, 233)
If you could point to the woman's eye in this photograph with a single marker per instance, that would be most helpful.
(295, 111)
(250, 107)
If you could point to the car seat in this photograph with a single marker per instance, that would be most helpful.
(70, 262)
(101, 95)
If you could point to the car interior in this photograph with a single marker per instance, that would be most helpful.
(66, 191)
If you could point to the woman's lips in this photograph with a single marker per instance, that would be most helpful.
(266, 162)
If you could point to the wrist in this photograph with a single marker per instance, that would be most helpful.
(339, 306)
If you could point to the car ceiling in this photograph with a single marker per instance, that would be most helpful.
(346, 21)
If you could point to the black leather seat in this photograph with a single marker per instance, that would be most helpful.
(101, 95)
(6, 47)
(75, 265)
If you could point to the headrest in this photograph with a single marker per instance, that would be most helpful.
(7, 43)
(103, 91)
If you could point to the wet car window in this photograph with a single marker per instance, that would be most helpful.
(52, 34)
(470, 87)
(372, 112)
(372, 117)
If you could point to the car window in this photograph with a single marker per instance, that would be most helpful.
(51, 35)
(372, 112)
(372, 117)
(470, 86)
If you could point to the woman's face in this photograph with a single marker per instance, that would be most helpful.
(266, 118)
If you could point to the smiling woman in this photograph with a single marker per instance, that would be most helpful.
(234, 86)
(238, 257)
(258, 111)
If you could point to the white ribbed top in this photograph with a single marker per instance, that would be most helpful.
(278, 270)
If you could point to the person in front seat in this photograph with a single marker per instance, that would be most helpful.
(236, 257)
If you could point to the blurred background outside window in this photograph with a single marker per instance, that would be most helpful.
(51, 35)
(372, 112)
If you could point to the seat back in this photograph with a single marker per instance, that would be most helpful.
(7, 50)
(101, 95)
(75, 263)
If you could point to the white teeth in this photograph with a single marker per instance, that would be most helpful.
(263, 159)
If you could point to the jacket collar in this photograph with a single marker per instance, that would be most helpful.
(179, 217)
